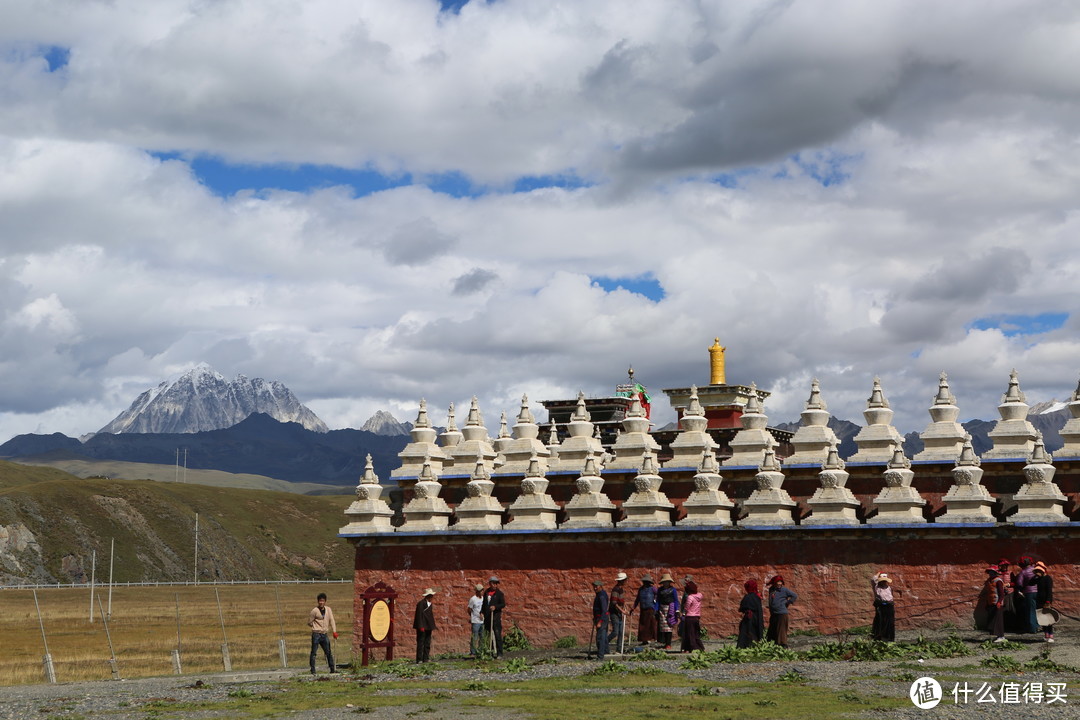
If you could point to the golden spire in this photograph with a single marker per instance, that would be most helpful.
(716, 363)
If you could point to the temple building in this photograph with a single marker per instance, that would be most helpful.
(596, 489)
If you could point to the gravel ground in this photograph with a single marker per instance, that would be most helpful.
(128, 699)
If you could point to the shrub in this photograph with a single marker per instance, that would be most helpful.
(1005, 663)
(792, 676)
(516, 639)
(650, 655)
(703, 690)
(476, 686)
(515, 665)
(569, 641)
(697, 660)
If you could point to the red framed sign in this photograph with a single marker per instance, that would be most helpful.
(377, 627)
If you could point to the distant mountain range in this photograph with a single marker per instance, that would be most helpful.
(1048, 418)
(258, 445)
(202, 399)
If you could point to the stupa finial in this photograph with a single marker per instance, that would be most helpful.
(694, 408)
(369, 477)
(815, 402)
(832, 459)
(581, 413)
(451, 421)
(525, 416)
(899, 459)
(474, 418)
(944, 394)
(422, 420)
(967, 453)
(504, 431)
(1014, 394)
(1039, 456)
(877, 397)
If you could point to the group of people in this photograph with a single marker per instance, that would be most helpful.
(664, 612)
(484, 609)
(1013, 600)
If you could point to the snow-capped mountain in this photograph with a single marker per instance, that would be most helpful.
(202, 399)
(383, 423)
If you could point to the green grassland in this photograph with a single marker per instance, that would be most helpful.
(88, 468)
(243, 534)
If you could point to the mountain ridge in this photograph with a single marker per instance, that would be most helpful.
(202, 399)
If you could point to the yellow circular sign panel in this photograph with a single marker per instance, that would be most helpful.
(379, 620)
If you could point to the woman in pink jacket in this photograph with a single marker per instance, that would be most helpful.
(691, 622)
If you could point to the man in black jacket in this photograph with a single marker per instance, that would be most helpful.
(424, 624)
(494, 602)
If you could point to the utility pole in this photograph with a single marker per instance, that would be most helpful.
(185, 464)
(93, 569)
(112, 552)
(196, 548)
(177, 465)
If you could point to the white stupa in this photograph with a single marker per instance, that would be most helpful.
(943, 437)
(1014, 435)
(898, 502)
(967, 500)
(749, 444)
(877, 439)
(422, 448)
(524, 445)
(832, 503)
(707, 504)
(369, 512)
(1039, 499)
(770, 504)
(814, 437)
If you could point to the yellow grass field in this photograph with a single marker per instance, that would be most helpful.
(143, 627)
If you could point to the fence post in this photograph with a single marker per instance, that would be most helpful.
(225, 640)
(50, 671)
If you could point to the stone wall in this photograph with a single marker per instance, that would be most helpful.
(547, 575)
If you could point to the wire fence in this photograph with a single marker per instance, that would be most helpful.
(163, 583)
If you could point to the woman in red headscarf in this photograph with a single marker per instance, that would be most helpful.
(752, 624)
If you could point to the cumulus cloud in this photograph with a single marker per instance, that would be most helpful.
(836, 195)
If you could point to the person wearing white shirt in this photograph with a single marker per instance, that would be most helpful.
(476, 619)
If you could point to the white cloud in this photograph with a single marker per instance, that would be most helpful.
(947, 141)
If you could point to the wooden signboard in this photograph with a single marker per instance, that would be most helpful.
(377, 627)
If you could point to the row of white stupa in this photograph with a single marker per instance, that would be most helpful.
(510, 453)
(833, 504)
(1039, 500)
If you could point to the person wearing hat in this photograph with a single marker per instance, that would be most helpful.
(994, 597)
(1044, 597)
(646, 600)
(780, 599)
(752, 621)
(476, 620)
(600, 618)
(424, 624)
(617, 610)
(667, 609)
(884, 627)
(494, 602)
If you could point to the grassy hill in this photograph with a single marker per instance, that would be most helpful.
(90, 468)
(51, 521)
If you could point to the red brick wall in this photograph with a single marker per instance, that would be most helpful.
(547, 577)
